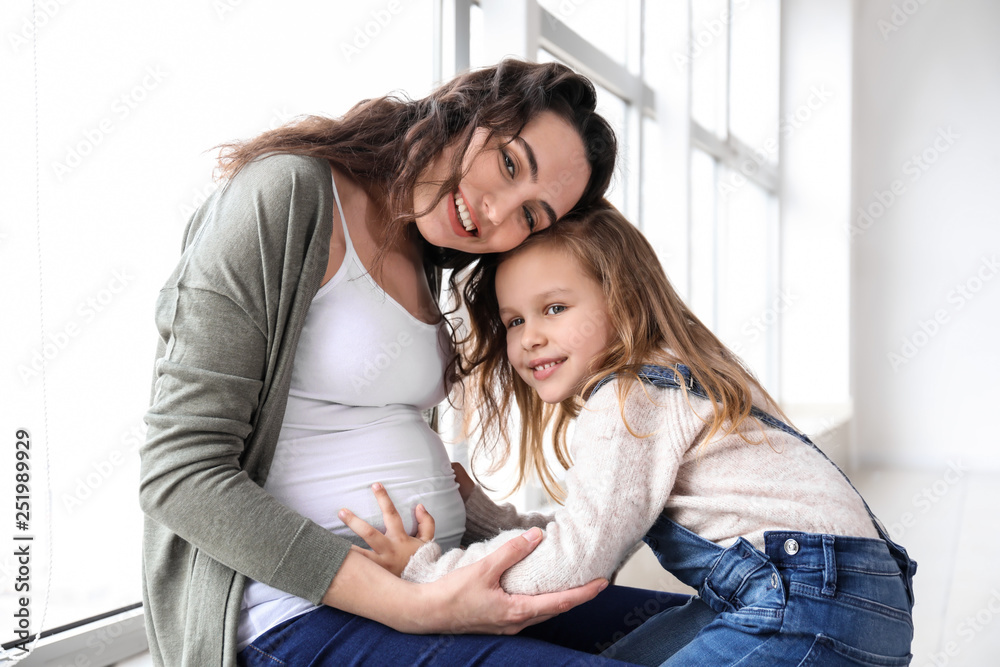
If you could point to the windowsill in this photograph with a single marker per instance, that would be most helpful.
(103, 642)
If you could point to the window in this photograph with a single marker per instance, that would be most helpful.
(734, 66)
(125, 135)
(692, 91)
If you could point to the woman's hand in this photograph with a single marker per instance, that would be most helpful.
(471, 600)
(465, 483)
(468, 600)
(393, 549)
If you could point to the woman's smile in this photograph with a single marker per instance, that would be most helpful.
(461, 217)
(510, 188)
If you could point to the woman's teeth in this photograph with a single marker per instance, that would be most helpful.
(463, 214)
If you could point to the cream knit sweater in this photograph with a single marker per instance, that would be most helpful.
(619, 484)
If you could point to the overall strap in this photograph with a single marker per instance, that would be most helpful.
(680, 375)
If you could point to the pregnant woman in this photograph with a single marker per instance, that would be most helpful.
(300, 341)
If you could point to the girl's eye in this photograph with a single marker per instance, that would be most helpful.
(529, 218)
(508, 163)
(554, 310)
(517, 321)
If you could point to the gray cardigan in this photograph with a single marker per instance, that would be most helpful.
(229, 319)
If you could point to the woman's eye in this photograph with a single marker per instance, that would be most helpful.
(530, 219)
(508, 163)
(554, 310)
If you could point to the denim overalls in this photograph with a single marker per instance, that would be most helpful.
(809, 599)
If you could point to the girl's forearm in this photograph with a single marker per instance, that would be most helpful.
(468, 600)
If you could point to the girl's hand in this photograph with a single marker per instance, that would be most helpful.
(393, 549)
(465, 483)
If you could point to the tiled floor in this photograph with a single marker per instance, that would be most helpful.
(947, 520)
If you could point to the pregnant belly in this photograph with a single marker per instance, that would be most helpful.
(319, 471)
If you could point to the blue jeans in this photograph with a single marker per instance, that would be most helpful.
(328, 636)
(808, 599)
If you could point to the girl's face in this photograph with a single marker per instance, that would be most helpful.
(507, 191)
(556, 318)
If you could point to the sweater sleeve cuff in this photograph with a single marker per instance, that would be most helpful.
(420, 569)
(310, 562)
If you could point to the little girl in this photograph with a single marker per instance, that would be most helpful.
(675, 444)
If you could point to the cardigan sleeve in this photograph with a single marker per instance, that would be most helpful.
(226, 320)
(617, 487)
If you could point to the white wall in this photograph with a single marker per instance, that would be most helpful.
(927, 102)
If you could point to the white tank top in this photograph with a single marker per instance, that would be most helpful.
(363, 371)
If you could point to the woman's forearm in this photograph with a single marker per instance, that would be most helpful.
(363, 588)
(468, 600)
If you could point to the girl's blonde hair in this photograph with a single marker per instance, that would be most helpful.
(649, 324)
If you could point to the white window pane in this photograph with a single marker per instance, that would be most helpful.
(748, 309)
(477, 38)
(708, 57)
(606, 24)
(663, 214)
(753, 111)
(653, 176)
(703, 237)
(102, 270)
(615, 110)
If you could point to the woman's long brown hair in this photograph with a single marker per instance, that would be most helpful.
(387, 143)
(649, 323)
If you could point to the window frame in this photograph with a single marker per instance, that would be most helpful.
(729, 153)
(97, 641)
(631, 82)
